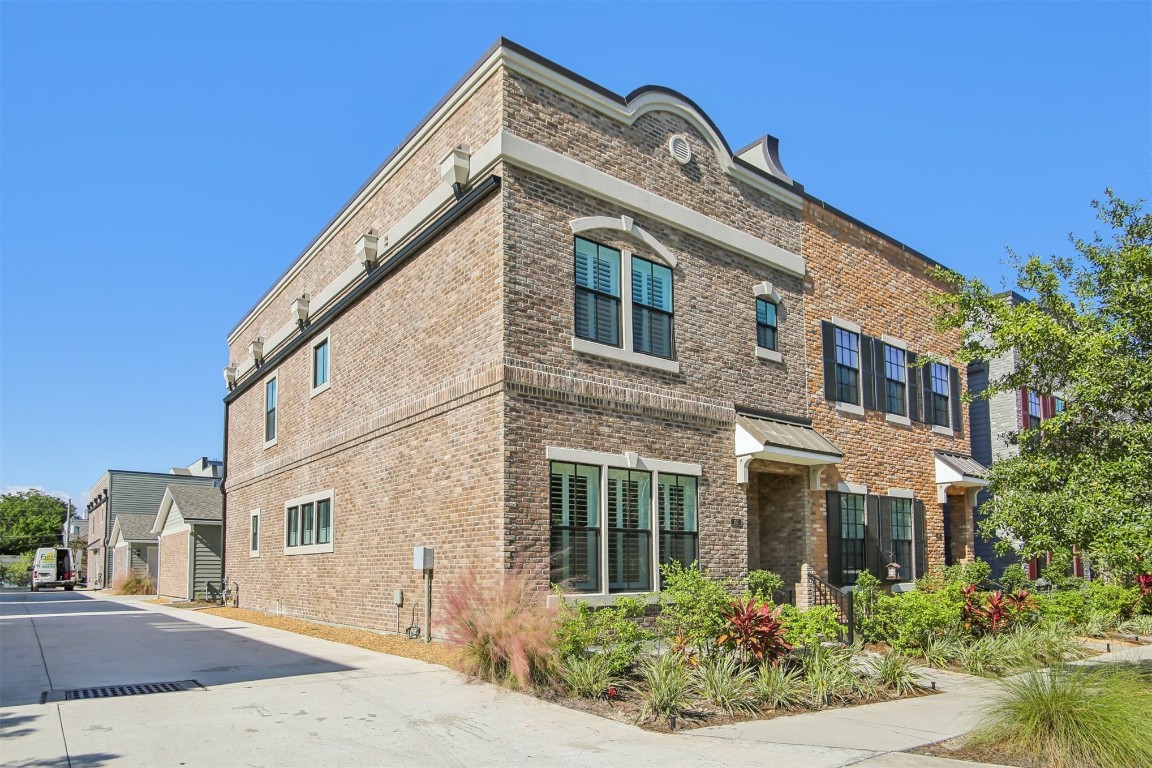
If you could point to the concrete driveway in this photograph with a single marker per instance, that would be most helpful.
(264, 697)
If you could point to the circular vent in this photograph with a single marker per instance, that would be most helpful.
(680, 148)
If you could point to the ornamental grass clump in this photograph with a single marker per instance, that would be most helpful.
(135, 584)
(725, 683)
(1073, 717)
(507, 633)
(830, 676)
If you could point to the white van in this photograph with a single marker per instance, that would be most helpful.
(53, 568)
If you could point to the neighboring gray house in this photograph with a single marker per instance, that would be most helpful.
(133, 547)
(120, 492)
(189, 525)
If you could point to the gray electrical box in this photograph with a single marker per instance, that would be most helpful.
(398, 597)
(423, 558)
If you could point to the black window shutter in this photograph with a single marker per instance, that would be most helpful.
(835, 547)
(874, 558)
(885, 525)
(828, 334)
(867, 371)
(926, 376)
(957, 422)
(914, 394)
(879, 370)
(921, 534)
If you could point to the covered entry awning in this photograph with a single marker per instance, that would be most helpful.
(960, 470)
(758, 437)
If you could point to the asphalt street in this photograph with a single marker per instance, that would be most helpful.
(255, 696)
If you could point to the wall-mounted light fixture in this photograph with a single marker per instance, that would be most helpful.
(230, 376)
(256, 350)
(454, 168)
(300, 312)
(367, 250)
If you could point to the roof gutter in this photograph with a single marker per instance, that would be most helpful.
(458, 211)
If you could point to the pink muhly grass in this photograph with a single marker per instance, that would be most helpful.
(507, 633)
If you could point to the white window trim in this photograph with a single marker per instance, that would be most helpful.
(892, 418)
(324, 338)
(311, 549)
(768, 292)
(254, 515)
(633, 461)
(851, 409)
(625, 353)
(275, 375)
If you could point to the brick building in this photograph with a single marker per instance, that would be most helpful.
(570, 331)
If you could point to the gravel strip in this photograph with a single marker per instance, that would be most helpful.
(396, 645)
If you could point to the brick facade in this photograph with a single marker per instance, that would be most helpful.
(173, 581)
(454, 378)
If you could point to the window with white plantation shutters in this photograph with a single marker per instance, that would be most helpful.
(629, 530)
(597, 292)
(574, 511)
(651, 308)
(678, 519)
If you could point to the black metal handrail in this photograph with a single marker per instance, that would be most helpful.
(821, 592)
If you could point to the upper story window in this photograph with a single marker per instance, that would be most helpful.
(321, 352)
(895, 380)
(624, 305)
(1035, 414)
(651, 308)
(766, 324)
(847, 366)
(937, 405)
(1058, 405)
(597, 292)
(270, 399)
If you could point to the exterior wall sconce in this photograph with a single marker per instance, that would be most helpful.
(367, 250)
(454, 168)
(230, 376)
(893, 571)
(300, 312)
(256, 350)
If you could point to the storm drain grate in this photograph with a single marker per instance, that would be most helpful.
(138, 689)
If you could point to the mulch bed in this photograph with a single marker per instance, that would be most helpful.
(955, 749)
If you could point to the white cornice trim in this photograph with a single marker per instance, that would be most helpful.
(573, 173)
(515, 62)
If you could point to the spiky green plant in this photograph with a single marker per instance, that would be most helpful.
(1068, 717)
(938, 651)
(665, 686)
(893, 671)
(724, 682)
(588, 677)
(1138, 625)
(780, 687)
(830, 675)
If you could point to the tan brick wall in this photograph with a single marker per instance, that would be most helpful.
(476, 121)
(120, 562)
(713, 303)
(174, 565)
(777, 513)
(857, 276)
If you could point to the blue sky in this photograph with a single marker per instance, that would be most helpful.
(162, 163)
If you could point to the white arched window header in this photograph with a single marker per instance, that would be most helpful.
(627, 225)
(767, 291)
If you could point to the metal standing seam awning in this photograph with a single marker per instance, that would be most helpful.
(960, 470)
(758, 437)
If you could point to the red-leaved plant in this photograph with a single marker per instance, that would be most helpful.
(507, 633)
(754, 631)
(1144, 581)
(992, 613)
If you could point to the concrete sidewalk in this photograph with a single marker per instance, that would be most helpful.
(274, 698)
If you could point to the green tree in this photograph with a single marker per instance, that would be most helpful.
(1081, 479)
(30, 519)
